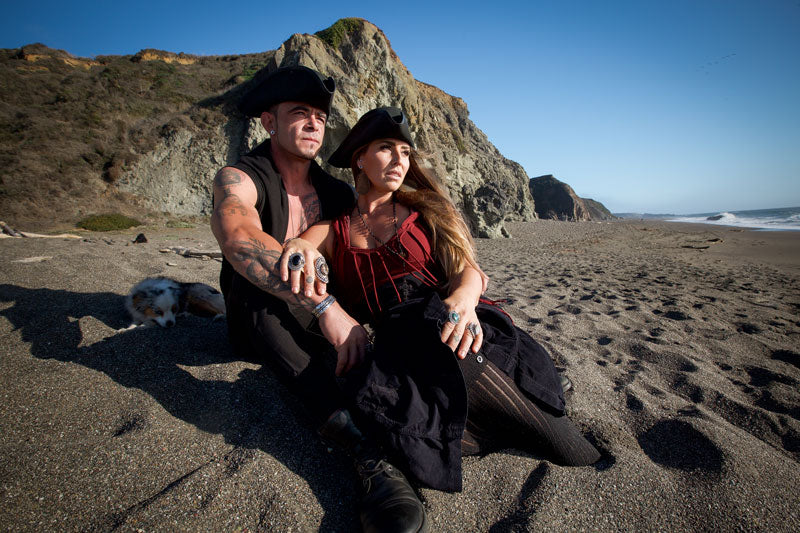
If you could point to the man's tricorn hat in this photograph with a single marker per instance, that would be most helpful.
(295, 83)
(380, 123)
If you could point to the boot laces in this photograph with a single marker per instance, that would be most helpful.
(372, 468)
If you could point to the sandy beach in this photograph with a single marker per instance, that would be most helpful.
(683, 342)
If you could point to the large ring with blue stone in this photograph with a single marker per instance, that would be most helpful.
(296, 261)
(453, 317)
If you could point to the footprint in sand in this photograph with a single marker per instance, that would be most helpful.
(683, 387)
(677, 444)
(676, 315)
(130, 422)
(633, 403)
(787, 357)
(750, 329)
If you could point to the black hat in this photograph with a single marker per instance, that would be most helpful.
(380, 123)
(296, 83)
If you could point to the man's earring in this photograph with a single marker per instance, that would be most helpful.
(359, 164)
(272, 132)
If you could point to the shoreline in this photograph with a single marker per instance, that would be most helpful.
(785, 218)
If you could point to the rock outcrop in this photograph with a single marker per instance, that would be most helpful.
(150, 54)
(556, 200)
(489, 188)
(37, 52)
(597, 211)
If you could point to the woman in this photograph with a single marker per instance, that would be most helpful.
(403, 262)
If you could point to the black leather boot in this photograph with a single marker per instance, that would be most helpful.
(388, 503)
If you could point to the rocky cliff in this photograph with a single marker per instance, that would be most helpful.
(556, 200)
(149, 131)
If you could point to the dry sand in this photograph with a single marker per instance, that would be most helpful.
(683, 343)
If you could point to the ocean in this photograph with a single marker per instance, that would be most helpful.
(782, 219)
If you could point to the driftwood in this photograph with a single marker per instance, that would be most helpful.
(8, 232)
(188, 252)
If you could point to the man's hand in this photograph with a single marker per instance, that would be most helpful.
(346, 335)
(304, 279)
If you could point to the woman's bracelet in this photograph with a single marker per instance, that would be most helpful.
(323, 306)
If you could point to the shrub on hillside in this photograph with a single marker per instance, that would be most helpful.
(108, 222)
(342, 27)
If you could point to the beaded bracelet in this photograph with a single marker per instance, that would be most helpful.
(323, 306)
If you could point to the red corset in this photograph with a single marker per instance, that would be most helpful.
(359, 272)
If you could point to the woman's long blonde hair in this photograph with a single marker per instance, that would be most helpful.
(421, 191)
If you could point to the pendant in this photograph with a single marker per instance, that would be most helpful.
(398, 249)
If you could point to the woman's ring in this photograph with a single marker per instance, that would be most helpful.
(474, 328)
(296, 261)
(321, 268)
(453, 317)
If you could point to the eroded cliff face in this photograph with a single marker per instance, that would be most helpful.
(176, 176)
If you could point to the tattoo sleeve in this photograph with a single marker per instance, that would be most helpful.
(261, 269)
(230, 204)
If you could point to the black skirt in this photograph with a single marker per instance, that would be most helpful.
(412, 395)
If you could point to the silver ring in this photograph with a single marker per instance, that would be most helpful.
(309, 279)
(296, 261)
(474, 329)
(453, 317)
(321, 268)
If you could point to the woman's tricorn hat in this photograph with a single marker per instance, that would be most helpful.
(380, 123)
(295, 84)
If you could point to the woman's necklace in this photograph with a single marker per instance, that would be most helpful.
(399, 251)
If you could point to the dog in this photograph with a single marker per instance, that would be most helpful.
(160, 300)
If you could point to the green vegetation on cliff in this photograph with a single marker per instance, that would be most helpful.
(339, 30)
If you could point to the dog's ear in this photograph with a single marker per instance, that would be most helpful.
(139, 299)
(181, 292)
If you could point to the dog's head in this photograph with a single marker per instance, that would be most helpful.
(156, 305)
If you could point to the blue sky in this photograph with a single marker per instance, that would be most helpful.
(685, 106)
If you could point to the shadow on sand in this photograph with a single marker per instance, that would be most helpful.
(250, 412)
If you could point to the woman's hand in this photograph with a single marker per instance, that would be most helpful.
(346, 335)
(466, 333)
(307, 278)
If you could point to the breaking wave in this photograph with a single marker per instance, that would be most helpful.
(783, 219)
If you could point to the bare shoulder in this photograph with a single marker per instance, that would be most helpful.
(234, 193)
(231, 181)
(228, 176)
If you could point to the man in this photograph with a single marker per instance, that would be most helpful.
(271, 195)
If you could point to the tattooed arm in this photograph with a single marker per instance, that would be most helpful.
(255, 255)
(250, 251)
